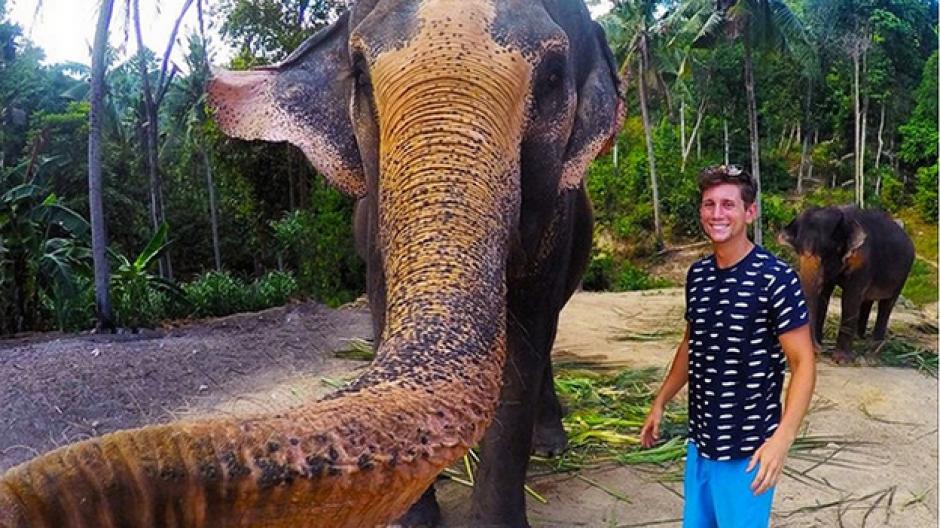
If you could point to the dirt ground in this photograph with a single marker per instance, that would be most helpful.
(880, 468)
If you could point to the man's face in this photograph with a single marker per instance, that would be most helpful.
(723, 214)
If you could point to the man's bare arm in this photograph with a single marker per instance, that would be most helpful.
(797, 345)
(677, 377)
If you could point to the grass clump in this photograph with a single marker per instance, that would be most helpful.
(898, 353)
(605, 414)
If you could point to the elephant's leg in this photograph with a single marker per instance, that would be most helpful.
(822, 307)
(424, 513)
(851, 303)
(881, 322)
(863, 313)
(498, 495)
(549, 437)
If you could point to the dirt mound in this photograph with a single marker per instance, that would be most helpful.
(67, 388)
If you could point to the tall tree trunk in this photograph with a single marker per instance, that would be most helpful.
(650, 154)
(804, 162)
(698, 147)
(213, 210)
(861, 139)
(881, 141)
(861, 154)
(291, 166)
(151, 135)
(809, 170)
(805, 159)
(99, 237)
(858, 122)
(724, 123)
(682, 123)
(755, 143)
(687, 149)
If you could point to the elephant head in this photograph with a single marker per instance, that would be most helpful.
(458, 122)
(827, 242)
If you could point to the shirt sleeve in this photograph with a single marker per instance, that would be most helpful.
(688, 294)
(788, 306)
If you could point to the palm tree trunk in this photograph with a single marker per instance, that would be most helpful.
(650, 154)
(213, 211)
(152, 135)
(755, 146)
(99, 239)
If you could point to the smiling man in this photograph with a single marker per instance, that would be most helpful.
(746, 319)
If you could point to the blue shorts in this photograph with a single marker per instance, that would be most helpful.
(718, 494)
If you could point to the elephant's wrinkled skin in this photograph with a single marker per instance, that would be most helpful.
(864, 252)
(465, 128)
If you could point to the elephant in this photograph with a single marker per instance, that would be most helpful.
(464, 128)
(863, 251)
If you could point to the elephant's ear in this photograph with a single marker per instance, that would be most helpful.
(599, 115)
(787, 237)
(855, 240)
(302, 100)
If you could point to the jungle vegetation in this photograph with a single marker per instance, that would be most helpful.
(830, 101)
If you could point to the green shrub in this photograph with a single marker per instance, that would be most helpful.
(921, 285)
(218, 293)
(893, 196)
(599, 273)
(275, 289)
(317, 245)
(631, 278)
(926, 195)
(215, 294)
(73, 308)
(137, 304)
(776, 212)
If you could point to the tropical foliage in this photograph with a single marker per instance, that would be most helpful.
(833, 101)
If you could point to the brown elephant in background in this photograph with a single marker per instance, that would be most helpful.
(465, 128)
(864, 252)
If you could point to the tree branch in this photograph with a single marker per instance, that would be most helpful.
(169, 48)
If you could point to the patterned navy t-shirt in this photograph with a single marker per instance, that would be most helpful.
(736, 365)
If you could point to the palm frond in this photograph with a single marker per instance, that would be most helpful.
(711, 31)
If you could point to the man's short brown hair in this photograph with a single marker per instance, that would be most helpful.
(719, 174)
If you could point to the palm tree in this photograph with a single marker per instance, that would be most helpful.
(630, 27)
(99, 239)
(759, 24)
(153, 97)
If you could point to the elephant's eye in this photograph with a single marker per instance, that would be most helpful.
(361, 74)
(548, 85)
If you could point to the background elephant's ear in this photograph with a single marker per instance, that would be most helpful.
(302, 100)
(599, 115)
(787, 237)
(855, 240)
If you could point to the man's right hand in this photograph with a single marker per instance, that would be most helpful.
(649, 434)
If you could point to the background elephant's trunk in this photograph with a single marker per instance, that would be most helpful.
(811, 281)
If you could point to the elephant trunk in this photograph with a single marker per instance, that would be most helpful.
(811, 281)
